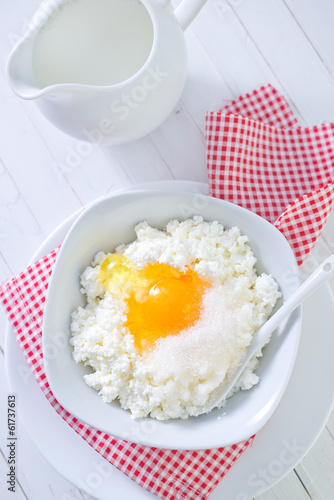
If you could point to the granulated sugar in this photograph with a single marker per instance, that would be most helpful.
(210, 347)
(201, 356)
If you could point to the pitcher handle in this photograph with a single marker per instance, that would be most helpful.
(187, 11)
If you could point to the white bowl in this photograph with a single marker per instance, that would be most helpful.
(110, 222)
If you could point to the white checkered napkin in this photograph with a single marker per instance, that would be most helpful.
(258, 157)
(169, 474)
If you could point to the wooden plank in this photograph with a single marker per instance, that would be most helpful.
(171, 138)
(5, 270)
(290, 55)
(140, 161)
(205, 89)
(24, 231)
(39, 479)
(316, 469)
(233, 53)
(315, 19)
(30, 163)
(289, 488)
(5, 273)
(18, 494)
(90, 170)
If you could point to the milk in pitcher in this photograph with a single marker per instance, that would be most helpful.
(93, 42)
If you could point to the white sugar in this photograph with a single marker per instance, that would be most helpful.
(208, 350)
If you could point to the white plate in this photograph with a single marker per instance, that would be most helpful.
(277, 448)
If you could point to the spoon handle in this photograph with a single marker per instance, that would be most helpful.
(262, 336)
(312, 283)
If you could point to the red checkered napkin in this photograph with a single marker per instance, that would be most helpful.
(260, 158)
(169, 474)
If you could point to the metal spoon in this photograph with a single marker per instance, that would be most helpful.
(260, 338)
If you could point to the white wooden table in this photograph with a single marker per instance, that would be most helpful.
(234, 46)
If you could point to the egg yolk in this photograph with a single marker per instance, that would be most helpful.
(161, 300)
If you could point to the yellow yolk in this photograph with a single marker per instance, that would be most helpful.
(161, 300)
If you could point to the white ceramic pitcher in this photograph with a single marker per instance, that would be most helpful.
(125, 111)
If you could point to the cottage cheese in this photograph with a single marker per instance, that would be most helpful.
(177, 377)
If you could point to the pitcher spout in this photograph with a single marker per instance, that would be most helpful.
(20, 72)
